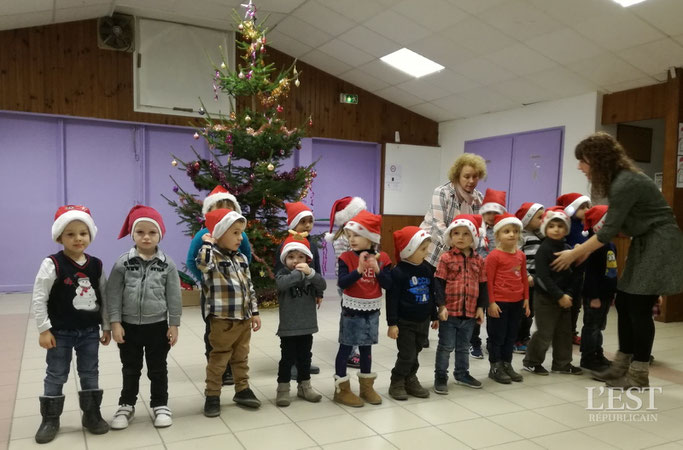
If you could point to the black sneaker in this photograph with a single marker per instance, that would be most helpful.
(212, 406)
(569, 370)
(594, 365)
(246, 398)
(315, 370)
(441, 386)
(497, 374)
(469, 381)
(536, 370)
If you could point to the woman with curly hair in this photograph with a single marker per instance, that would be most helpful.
(458, 196)
(655, 264)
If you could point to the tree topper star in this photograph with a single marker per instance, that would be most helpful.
(251, 10)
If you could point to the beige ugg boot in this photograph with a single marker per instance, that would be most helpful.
(617, 369)
(637, 376)
(367, 391)
(343, 394)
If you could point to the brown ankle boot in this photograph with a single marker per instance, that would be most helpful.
(367, 391)
(617, 369)
(343, 394)
(637, 376)
(414, 388)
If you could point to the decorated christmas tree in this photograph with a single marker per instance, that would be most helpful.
(247, 149)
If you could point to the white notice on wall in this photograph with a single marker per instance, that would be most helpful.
(679, 173)
(392, 177)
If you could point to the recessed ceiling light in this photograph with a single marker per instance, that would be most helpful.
(411, 63)
(626, 3)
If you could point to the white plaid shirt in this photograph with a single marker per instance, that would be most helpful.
(445, 205)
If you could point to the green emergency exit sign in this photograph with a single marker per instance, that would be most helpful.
(350, 99)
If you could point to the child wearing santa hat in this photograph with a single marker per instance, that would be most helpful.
(300, 223)
(144, 308)
(492, 206)
(530, 215)
(599, 289)
(67, 296)
(575, 205)
(410, 309)
(342, 211)
(363, 273)
(553, 296)
(218, 198)
(299, 287)
(462, 295)
(508, 287)
(231, 308)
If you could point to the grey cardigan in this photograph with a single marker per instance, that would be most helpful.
(296, 296)
(655, 259)
(144, 291)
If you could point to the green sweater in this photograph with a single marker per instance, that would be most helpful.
(655, 260)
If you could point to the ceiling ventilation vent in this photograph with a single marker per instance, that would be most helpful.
(115, 32)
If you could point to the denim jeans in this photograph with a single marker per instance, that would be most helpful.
(86, 343)
(454, 335)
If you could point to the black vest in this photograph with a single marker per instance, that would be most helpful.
(75, 301)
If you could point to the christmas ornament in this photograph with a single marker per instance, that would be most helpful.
(195, 135)
(175, 189)
(247, 119)
(271, 167)
(196, 165)
(296, 82)
(262, 273)
(241, 75)
(201, 111)
(240, 27)
(174, 163)
(223, 66)
(280, 108)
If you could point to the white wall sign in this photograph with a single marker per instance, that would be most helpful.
(392, 177)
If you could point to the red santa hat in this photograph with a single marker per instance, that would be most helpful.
(219, 193)
(494, 201)
(471, 221)
(343, 210)
(572, 201)
(296, 212)
(142, 213)
(527, 211)
(367, 225)
(67, 214)
(295, 242)
(506, 219)
(556, 212)
(407, 240)
(219, 220)
(595, 219)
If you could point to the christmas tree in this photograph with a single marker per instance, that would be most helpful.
(247, 149)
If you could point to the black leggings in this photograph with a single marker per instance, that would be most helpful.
(344, 353)
(636, 328)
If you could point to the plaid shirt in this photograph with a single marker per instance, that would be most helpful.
(462, 275)
(227, 284)
(445, 205)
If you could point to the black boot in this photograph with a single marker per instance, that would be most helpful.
(90, 402)
(50, 408)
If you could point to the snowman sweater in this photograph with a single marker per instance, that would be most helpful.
(70, 295)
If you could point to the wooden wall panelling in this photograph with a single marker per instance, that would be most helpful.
(391, 223)
(58, 69)
(648, 102)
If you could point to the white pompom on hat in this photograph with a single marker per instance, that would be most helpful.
(342, 211)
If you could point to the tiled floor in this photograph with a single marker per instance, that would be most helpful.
(541, 412)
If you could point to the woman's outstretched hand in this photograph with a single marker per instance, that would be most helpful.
(564, 259)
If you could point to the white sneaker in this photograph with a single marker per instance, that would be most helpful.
(122, 417)
(162, 417)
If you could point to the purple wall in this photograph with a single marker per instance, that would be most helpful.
(525, 165)
(109, 166)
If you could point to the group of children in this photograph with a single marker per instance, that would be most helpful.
(482, 273)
